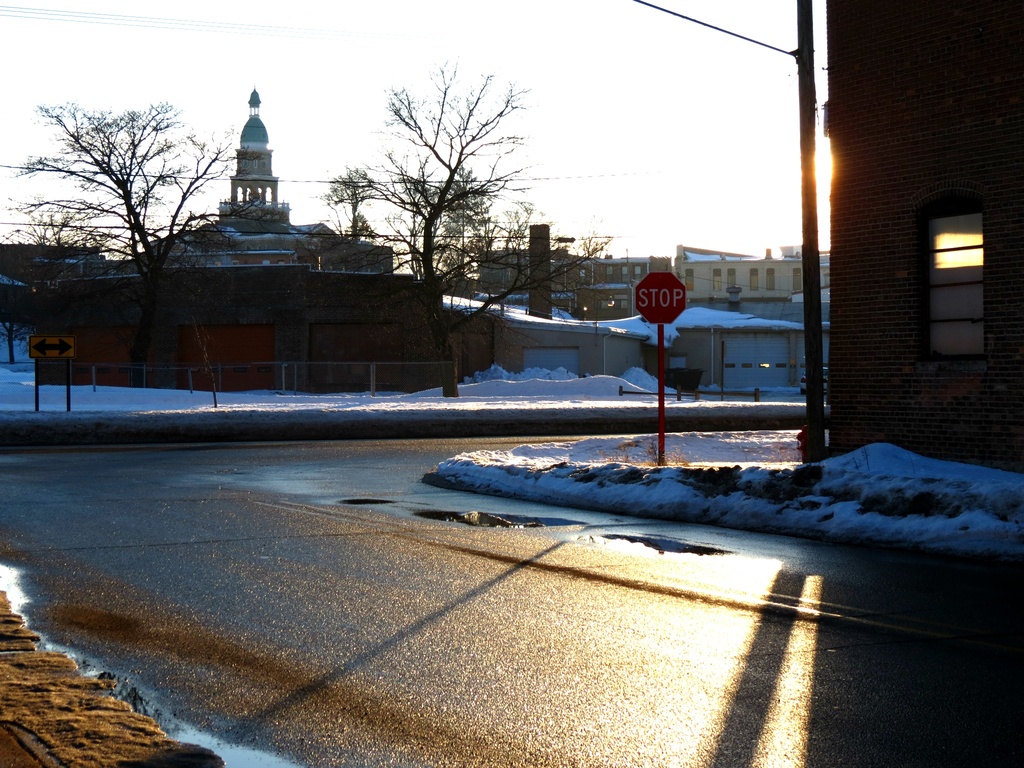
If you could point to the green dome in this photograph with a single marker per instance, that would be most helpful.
(254, 134)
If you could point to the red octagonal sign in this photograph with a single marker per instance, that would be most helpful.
(660, 297)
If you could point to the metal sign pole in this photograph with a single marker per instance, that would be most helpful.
(661, 394)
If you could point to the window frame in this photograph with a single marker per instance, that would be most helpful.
(949, 208)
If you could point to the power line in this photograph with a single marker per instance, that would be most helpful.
(285, 180)
(716, 29)
(158, 22)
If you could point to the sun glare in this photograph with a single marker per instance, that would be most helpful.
(747, 579)
(784, 737)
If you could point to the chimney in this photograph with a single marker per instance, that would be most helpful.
(540, 270)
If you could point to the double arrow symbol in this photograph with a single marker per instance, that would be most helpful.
(52, 346)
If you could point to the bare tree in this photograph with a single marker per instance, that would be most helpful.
(349, 191)
(592, 245)
(135, 173)
(15, 315)
(590, 249)
(442, 183)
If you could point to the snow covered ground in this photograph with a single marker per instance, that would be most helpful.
(879, 495)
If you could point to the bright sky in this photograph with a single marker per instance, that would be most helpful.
(640, 126)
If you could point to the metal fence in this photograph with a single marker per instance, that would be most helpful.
(375, 378)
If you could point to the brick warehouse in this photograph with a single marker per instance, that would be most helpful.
(926, 121)
(248, 319)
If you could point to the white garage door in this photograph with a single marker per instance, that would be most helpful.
(756, 360)
(552, 358)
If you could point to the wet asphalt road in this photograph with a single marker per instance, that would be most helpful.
(289, 597)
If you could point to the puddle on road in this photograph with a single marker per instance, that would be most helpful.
(479, 519)
(487, 520)
(232, 755)
(659, 544)
(666, 546)
(474, 517)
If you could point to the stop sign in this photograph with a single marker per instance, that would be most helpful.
(660, 297)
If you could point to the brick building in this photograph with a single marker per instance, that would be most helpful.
(926, 120)
(278, 327)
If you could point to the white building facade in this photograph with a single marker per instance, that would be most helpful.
(712, 276)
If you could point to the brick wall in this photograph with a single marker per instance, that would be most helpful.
(925, 101)
(291, 298)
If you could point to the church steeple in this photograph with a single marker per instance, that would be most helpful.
(253, 185)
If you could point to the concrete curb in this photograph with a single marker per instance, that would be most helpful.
(227, 425)
(55, 717)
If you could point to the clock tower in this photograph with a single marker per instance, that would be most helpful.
(254, 192)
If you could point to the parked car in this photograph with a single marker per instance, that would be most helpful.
(824, 381)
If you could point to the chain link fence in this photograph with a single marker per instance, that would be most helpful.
(374, 378)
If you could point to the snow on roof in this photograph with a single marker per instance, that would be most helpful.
(703, 317)
(691, 256)
(521, 316)
(702, 256)
(640, 327)
(636, 326)
(5, 280)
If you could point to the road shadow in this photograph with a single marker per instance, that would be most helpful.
(746, 737)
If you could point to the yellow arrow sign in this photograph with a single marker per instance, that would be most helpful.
(51, 346)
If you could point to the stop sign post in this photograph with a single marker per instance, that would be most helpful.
(660, 298)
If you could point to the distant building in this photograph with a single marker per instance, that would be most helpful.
(712, 276)
(926, 123)
(33, 264)
(254, 225)
(539, 265)
(607, 284)
(602, 288)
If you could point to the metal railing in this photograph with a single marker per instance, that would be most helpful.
(697, 393)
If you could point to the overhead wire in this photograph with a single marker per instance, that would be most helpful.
(587, 176)
(160, 22)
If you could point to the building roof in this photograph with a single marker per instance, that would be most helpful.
(750, 314)
(254, 134)
(239, 227)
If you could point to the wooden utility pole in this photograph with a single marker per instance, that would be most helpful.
(811, 260)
